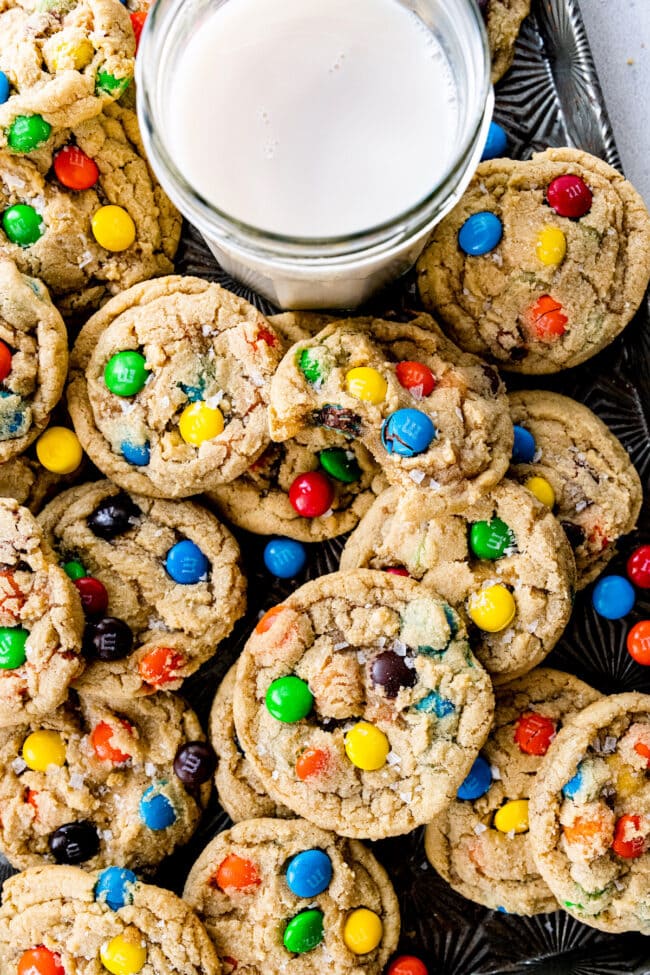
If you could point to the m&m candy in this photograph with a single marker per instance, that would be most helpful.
(480, 233)
(551, 246)
(304, 932)
(42, 749)
(638, 567)
(23, 224)
(546, 320)
(40, 961)
(630, 838)
(199, 423)
(160, 666)
(613, 597)
(5, 361)
(309, 873)
(397, 570)
(366, 384)
(194, 763)
(525, 448)
(114, 887)
(492, 609)
(126, 373)
(138, 18)
(407, 965)
(496, 144)
(13, 651)
(407, 433)
(534, 733)
(107, 638)
(542, 490)
(362, 931)
(288, 699)
(415, 376)
(28, 132)
(124, 954)
(113, 228)
(186, 563)
(477, 782)
(490, 539)
(108, 84)
(390, 671)
(137, 454)
(265, 622)
(512, 817)
(311, 761)
(156, 809)
(113, 516)
(573, 786)
(285, 557)
(311, 494)
(72, 54)
(94, 597)
(340, 464)
(638, 643)
(100, 739)
(74, 842)
(74, 569)
(367, 746)
(236, 872)
(74, 169)
(59, 451)
(4, 88)
(569, 196)
(315, 364)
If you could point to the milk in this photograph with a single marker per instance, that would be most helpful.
(312, 118)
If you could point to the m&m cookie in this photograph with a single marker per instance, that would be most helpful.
(359, 703)
(160, 582)
(480, 843)
(542, 263)
(590, 815)
(503, 20)
(41, 622)
(504, 564)
(93, 784)
(58, 920)
(429, 415)
(568, 458)
(283, 895)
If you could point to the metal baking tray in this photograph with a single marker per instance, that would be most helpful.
(550, 97)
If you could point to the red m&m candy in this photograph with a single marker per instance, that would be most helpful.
(94, 597)
(569, 196)
(638, 567)
(74, 169)
(546, 319)
(5, 361)
(40, 961)
(407, 965)
(638, 643)
(629, 837)
(534, 733)
(311, 494)
(416, 377)
(397, 570)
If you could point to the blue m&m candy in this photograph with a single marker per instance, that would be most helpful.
(480, 233)
(573, 786)
(523, 451)
(156, 809)
(496, 143)
(309, 873)
(114, 887)
(4, 88)
(407, 432)
(613, 597)
(186, 563)
(284, 557)
(477, 782)
(137, 454)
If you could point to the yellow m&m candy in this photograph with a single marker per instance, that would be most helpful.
(513, 817)
(199, 422)
(113, 228)
(366, 746)
(72, 54)
(362, 931)
(42, 749)
(125, 954)
(59, 450)
(366, 384)
(542, 490)
(492, 609)
(551, 246)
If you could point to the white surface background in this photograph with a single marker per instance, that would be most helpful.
(619, 31)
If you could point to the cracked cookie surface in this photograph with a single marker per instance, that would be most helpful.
(503, 20)
(359, 703)
(533, 302)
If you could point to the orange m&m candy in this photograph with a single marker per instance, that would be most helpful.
(638, 643)
(100, 739)
(137, 23)
(236, 872)
(407, 965)
(266, 622)
(74, 169)
(312, 761)
(546, 319)
(162, 665)
(40, 961)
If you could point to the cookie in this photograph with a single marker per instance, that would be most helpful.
(27, 482)
(541, 264)
(359, 704)
(503, 20)
(64, 919)
(590, 815)
(56, 222)
(240, 791)
(169, 385)
(33, 359)
(480, 844)
(595, 492)
(428, 414)
(41, 622)
(65, 60)
(504, 565)
(161, 582)
(92, 784)
(283, 895)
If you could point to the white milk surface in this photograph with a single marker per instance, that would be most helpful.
(312, 118)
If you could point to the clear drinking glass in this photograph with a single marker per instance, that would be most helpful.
(340, 272)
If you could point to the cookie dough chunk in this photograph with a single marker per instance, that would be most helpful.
(504, 565)
(70, 919)
(480, 844)
(503, 20)
(33, 359)
(240, 791)
(169, 386)
(430, 415)
(163, 587)
(590, 815)
(278, 896)
(65, 234)
(595, 490)
(41, 622)
(542, 263)
(359, 703)
(95, 785)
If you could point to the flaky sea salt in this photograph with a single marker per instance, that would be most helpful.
(76, 780)
(19, 765)
(342, 645)
(393, 758)
(150, 769)
(417, 476)
(361, 657)
(496, 774)
(399, 648)
(581, 505)
(510, 834)
(480, 828)
(213, 401)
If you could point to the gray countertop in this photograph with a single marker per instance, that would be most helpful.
(619, 35)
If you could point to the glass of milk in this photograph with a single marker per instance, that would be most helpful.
(314, 143)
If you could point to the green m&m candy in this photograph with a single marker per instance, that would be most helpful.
(110, 85)
(315, 364)
(340, 464)
(304, 932)
(12, 647)
(289, 699)
(490, 539)
(126, 373)
(22, 224)
(74, 569)
(28, 132)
